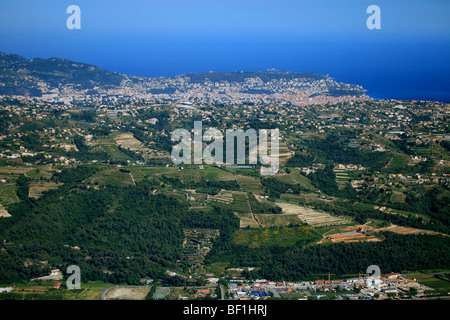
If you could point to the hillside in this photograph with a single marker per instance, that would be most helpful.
(60, 80)
(20, 76)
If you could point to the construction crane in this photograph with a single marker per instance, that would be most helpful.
(356, 274)
(324, 274)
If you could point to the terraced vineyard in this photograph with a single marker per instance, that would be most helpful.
(310, 216)
(37, 188)
(197, 244)
(250, 184)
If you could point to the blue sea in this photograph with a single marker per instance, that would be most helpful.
(407, 58)
(414, 68)
(408, 69)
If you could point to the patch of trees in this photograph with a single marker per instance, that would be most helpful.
(85, 115)
(274, 187)
(402, 145)
(79, 143)
(445, 144)
(73, 175)
(85, 153)
(435, 203)
(262, 207)
(123, 234)
(38, 158)
(362, 215)
(100, 132)
(4, 121)
(395, 254)
(31, 141)
(162, 116)
(300, 160)
(213, 187)
(22, 187)
(325, 180)
(133, 155)
(334, 149)
(174, 183)
(219, 218)
(163, 143)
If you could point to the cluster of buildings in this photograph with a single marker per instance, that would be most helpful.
(298, 91)
(362, 287)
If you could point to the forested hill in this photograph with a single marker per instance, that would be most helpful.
(57, 79)
(20, 76)
(113, 234)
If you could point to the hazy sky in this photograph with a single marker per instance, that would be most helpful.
(169, 37)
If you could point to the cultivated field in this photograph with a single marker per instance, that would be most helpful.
(234, 200)
(127, 293)
(37, 188)
(13, 172)
(109, 145)
(239, 203)
(223, 197)
(45, 171)
(351, 236)
(250, 184)
(398, 197)
(128, 141)
(429, 280)
(305, 198)
(341, 176)
(197, 243)
(8, 193)
(295, 177)
(195, 175)
(275, 220)
(406, 230)
(3, 212)
(310, 216)
(284, 153)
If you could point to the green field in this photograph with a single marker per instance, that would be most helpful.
(399, 162)
(109, 145)
(40, 172)
(250, 184)
(435, 282)
(111, 177)
(295, 177)
(275, 220)
(304, 198)
(197, 174)
(398, 197)
(142, 173)
(240, 202)
(8, 193)
(12, 173)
